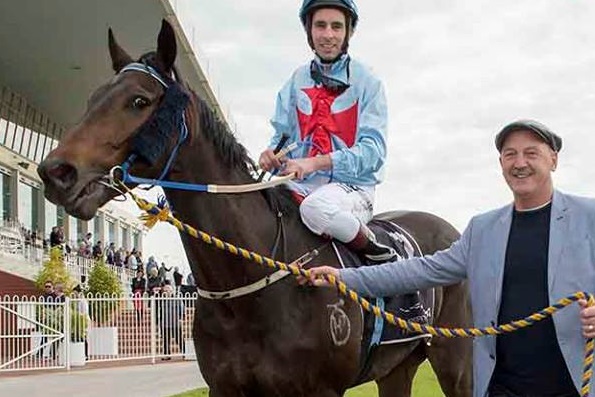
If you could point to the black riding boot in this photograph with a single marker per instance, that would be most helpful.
(365, 244)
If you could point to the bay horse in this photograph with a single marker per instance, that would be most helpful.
(277, 340)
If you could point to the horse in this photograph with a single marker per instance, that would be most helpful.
(276, 340)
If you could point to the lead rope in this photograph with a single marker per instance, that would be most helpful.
(155, 213)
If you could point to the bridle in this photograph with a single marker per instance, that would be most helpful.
(170, 113)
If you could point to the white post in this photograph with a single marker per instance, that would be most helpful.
(153, 329)
(66, 330)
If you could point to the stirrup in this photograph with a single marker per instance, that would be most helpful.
(415, 313)
(388, 256)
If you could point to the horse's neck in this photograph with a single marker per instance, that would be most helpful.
(244, 220)
(227, 216)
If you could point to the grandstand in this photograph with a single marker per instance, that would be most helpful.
(52, 55)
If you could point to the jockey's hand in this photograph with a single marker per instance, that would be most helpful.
(300, 167)
(316, 276)
(303, 167)
(268, 161)
(587, 319)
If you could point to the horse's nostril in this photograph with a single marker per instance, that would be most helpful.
(60, 174)
(59, 171)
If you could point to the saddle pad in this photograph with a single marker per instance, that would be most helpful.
(376, 331)
(393, 235)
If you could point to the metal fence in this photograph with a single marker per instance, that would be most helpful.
(78, 266)
(45, 334)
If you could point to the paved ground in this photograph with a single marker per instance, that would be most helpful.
(158, 380)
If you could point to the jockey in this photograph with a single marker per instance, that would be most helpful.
(335, 108)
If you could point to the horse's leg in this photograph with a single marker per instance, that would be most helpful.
(451, 358)
(399, 381)
(452, 369)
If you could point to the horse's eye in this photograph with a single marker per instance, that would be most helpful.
(140, 102)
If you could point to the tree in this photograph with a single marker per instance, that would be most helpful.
(54, 270)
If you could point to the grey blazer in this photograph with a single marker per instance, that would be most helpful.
(479, 257)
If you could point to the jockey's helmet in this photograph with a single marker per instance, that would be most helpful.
(347, 6)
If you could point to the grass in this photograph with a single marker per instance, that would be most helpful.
(424, 385)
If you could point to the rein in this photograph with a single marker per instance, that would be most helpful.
(209, 188)
(155, 213)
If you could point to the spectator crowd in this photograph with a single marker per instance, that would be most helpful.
(151, 276)
(157, 275)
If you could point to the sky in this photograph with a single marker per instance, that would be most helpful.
(455, 72)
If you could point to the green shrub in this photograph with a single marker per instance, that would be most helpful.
(54, 270)
(78, 325)
(50, 316)
(103, 282)
(53, 317)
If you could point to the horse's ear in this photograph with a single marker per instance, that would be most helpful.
(119, 57)
(166, 46)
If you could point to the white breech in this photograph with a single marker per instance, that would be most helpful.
(338, 210)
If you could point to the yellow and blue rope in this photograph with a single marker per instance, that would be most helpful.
(155, 213)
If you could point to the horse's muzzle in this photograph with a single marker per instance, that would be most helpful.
(57, 174)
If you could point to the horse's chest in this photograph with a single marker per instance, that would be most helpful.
(242, 362)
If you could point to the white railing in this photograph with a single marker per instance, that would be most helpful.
(37, 334)
(77, 265)
(13, 245)
(31, 334)
(10, 224)
(80, 267)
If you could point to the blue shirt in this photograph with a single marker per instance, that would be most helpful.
(357, 121)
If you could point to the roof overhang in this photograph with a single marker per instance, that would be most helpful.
(54, 53)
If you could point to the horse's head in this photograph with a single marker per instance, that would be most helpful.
(134, 114)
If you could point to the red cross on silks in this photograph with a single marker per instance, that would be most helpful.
(322, 124)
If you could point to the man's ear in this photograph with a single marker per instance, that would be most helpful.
(554, 161)
(350, 32)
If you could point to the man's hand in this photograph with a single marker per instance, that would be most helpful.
(587, 319)
(268, 161)
(316, 276)
(304, 166)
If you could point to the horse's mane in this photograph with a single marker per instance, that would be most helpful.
(235, 155)
(232, 153)
(216, 131)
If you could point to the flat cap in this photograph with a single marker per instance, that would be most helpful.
(549, 137)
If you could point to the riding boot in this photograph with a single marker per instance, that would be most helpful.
(365, 244)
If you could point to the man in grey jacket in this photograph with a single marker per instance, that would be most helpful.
(518, 259)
